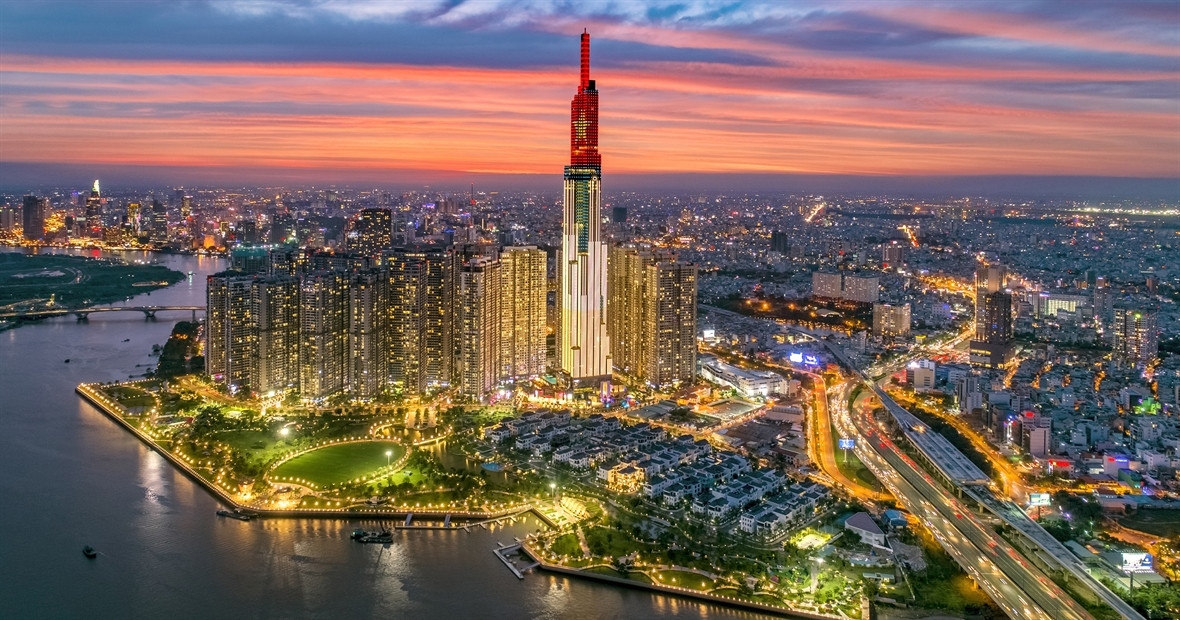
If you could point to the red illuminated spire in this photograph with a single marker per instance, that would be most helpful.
(585, 61)
(584, 117)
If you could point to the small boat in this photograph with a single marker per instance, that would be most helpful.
(384, 537)
(126, 340)
(89, 552)
(358, 534)
(234, 514)
(67, 361)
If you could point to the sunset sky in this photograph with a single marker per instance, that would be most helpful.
(365, 90)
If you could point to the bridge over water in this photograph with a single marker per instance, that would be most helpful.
(83, 314)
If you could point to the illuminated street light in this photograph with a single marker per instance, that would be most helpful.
(388, 455)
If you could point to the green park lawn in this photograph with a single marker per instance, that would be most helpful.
(339, 463)
(683, 579)
(130, 397)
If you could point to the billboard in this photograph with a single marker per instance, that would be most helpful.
(1137, 562)
(796, 358)
(1038, 499)
(847, 444)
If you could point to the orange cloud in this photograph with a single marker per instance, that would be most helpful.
(815, 115)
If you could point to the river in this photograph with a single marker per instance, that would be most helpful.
(70, 477)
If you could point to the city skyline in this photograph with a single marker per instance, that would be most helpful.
(876, 94)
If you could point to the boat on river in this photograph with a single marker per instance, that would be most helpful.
(234, 514)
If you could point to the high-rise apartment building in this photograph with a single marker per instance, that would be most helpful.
(892, 254)
(33, 217)
(890, 321)
(627, 279)
(861, 289)
(372, 232)
(522, 312)
(368, 333)
(324, 319)
(652, 315)
(584, 343)
(669, 344)
(407, 322)
(991, 346)
(274, 311)
(478, 305)
(230, 345)
(780, 242)
(1136, 336)
(827, 285)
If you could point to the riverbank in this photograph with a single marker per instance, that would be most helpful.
(32, 282)
(672, 590)
(469, 518)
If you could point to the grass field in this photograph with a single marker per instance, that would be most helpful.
(684, 579)
(340, 463)
(1163, 523)
(75, 281)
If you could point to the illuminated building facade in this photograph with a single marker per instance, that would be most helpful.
(323, 317)
(94, 212)
(478, 301)
(407, 320)
(33, 217)
(372, 232)
(274, 309)
(992, 346)
(670, 324)
(368, 331)
(891, 321)
(1136, 336)
(652, 315)
(584, 344)
(522, 312)
(230, 332)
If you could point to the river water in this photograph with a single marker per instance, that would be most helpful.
(70, 477)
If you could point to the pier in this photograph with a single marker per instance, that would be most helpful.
(503, 551)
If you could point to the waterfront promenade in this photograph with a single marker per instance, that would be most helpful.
(115, 411)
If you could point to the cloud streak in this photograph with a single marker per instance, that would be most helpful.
(884, 88)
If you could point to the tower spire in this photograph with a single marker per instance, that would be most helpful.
(585, 60)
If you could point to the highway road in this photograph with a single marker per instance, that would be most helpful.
(1020, 589)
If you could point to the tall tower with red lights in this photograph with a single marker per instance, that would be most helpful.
(584, 344)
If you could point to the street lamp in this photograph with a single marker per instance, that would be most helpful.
(388, 455)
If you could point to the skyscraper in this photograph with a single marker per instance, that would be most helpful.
(584, 343)
(94, 212)
(368, 334)
(522, 312)
(627, 274)
(274, 309)
(669, 343)
(652, 315)
(478, 305)
(991, 346)
(1136, 336)
(33, 217)
(407, 321)
(231, 334)
(324, 318)
(372, 232)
